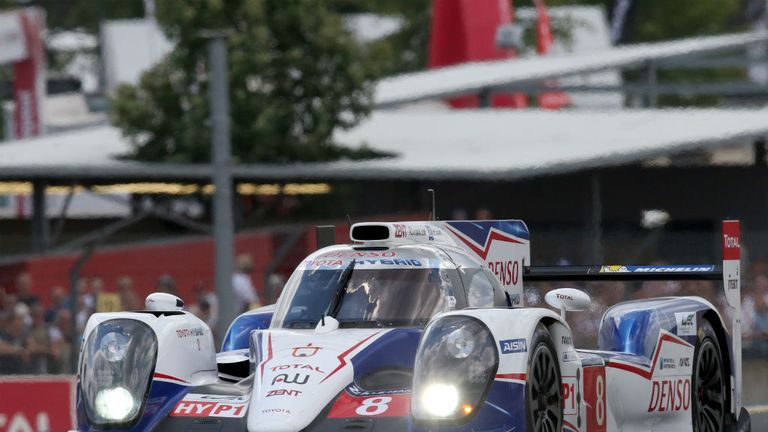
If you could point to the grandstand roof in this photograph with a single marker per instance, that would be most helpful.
(473, 77)
(462, 144)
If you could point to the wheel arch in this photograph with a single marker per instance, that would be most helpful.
(725, 345)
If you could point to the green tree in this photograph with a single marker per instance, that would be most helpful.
(295, 75)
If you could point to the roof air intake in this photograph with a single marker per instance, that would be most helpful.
(365, 232)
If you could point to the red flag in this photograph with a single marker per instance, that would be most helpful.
(544, 41)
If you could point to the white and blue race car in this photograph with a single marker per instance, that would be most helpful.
(420, 326)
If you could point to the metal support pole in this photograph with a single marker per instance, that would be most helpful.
(485, 98)
(760, 153)
(39, 218)
(652, 83)
(596, 216)
(223, 224)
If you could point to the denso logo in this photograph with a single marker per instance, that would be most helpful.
(511, 346)
(507, 272)
(730, 242)
(670, 395)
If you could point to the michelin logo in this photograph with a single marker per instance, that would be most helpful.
(510, 346)
(664, 269)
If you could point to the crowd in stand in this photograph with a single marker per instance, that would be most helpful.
(38, 339)
(754, 295)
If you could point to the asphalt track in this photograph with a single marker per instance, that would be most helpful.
(759, 416)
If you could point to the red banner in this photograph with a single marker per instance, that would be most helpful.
(37, 404)
(29, 77)
(731, 244)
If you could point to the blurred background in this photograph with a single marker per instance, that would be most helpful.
(621, 131)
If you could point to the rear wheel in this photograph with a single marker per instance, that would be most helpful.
(708, 382)
(544, 401)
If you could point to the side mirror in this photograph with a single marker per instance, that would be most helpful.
(568, 299)
(163, 302)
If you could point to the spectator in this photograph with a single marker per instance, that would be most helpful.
(14, 356)
(128, 299)
(60, 336)
(24, 289)
(275, 284)
(82, 313)
(85, 294)
(166, 284)
(245, 294)
(37, 341)
(207, 305)
(58, 302)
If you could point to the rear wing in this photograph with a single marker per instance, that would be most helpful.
(622, 273)
(729, 273)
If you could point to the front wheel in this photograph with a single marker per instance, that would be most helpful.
(708, 382)
(544, 401)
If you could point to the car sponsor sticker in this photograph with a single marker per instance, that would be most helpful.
(670, 395)
(657, 269)
(510, 346)
(686, 323)
(390, 405)
(203, 405)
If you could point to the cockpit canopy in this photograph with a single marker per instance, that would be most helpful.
(402, 286)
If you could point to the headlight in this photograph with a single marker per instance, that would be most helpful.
(455, 366)
(116, 369)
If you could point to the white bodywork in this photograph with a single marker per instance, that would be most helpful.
(302, 372)
(186, 353)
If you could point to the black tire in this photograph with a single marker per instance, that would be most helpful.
(544, 399)
(708, 397)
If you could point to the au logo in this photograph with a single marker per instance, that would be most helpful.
(305, 351)
(284, 378)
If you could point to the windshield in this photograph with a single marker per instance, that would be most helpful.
(378, 297)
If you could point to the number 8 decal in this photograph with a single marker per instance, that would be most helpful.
(600, 403)
(379, 405)
(595, 392)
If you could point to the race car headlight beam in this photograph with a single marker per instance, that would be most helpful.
(455, 366)
(116, 370)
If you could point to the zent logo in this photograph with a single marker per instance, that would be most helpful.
(306, 351)
(511, 346)
(283, 392)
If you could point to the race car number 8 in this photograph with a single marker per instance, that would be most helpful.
(373, 406)
(600, 403)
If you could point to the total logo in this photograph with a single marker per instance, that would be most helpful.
(564, 297)
(670, 395)
(297, 366)
(731, 242)
(566, 340)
